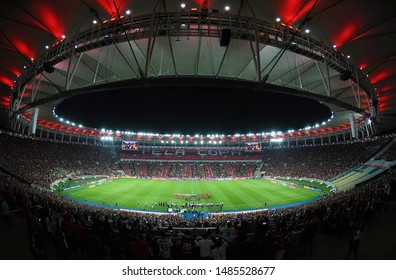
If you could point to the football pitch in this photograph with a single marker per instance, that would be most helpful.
(203, 195)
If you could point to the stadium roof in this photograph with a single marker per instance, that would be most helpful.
(52, 50)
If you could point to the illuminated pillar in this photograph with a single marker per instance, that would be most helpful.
(353, 126)
(33, 122)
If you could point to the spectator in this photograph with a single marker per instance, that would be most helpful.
(164, 245)
(205, 245)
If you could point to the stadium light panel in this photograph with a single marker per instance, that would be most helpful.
(276, 140)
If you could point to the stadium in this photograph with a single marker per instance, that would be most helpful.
(197, 130)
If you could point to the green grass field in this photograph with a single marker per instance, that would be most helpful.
(146, 194)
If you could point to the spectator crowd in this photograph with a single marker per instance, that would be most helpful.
(79, 231)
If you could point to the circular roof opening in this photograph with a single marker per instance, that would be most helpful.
(192, 110)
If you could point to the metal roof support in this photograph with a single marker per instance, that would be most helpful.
(18, 100)
(256, 54)
(326, 82)
(96, 70)
(222, 61)
(127, 62)
(70, 76)
(33, 122)
(196, 68)
(151, 39)
(144, 55)
(171, 49)
(353, 126)
(354, 94)
(35, 88)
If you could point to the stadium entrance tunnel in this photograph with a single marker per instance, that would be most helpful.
(192, 109)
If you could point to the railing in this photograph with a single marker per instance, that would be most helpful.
(184, 24)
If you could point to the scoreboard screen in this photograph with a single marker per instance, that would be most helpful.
(253, 146)
(129, 145)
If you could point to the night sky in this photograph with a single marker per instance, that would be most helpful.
(192, 110)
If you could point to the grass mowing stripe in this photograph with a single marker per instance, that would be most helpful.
(231, 201)
(261, 198)
(235, 194)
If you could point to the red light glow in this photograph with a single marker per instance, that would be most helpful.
(109, 8)
(292, 11)
(23, 48)
(5, 101)
(50, 21)
(16, 72)
(6, 81)
(345, 35)
(375, 78)
(201, 3)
